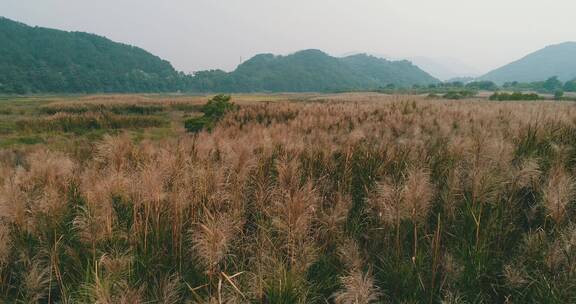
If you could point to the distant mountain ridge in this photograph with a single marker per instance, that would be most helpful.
(554, 60)
(442, 68)
(312, 70)
(42, 60)
(445, 68)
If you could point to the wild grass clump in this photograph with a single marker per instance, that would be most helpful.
(116, 109)
(388, 200)
(79, 123)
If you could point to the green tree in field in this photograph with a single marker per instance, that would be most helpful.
(558, 95)
(218, 106)
(213, 111)
(570, 86)
(552, 84)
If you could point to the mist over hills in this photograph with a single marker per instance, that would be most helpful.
(554, 60)
(445, 68)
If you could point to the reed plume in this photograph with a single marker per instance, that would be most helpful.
(559, 191)
(359, 288)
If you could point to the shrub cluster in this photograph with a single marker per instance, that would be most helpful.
(213, 111)
(514, 96)
(455, 95)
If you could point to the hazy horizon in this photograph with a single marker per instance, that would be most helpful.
(218, 34)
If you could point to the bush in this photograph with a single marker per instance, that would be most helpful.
(218, 106)
(514, 96)
(570, 86)
(213, 110)
(558, 95)
(459, 95)
(197, 124)
(482, 85)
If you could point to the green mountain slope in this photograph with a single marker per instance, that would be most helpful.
(311, 70)
(555, 60)
(42, 60)
(35, 59)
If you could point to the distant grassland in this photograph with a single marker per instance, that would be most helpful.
(347, 198)
(64, 120)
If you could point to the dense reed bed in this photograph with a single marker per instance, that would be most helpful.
(344, 200)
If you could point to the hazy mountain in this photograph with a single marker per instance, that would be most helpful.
(555, 60)
(312, 70)
(461, 79)
(444, 68)
(36, 59)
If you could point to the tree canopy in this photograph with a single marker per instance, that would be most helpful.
(38, 60)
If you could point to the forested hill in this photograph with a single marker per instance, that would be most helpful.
(41, 60)
(555, 60)
(311, 70)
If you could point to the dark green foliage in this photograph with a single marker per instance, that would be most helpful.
(453, 90)
(514, 96)
(216, 107)
(459, 94)
(482, 85)
(35, 59)
(558, 95)
(197, 124)
(311, 71)
(39, 60)
(552, 84)
(570, 86)
(213, 111)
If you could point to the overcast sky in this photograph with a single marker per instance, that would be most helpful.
(206, 34)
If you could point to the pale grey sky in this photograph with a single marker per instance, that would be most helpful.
(205, 34)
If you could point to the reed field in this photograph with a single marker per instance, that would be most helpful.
(346, 198)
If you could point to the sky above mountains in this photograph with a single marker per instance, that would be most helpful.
(207, 34)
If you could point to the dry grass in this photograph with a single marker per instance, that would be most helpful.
(352, 198)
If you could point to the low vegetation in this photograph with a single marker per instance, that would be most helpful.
(63, 122)
(456, 95)
(501, 96)
(212, 111)
(353, 198)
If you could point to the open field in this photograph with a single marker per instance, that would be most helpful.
(346, 198)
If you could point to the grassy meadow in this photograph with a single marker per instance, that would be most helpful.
(345, 198)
